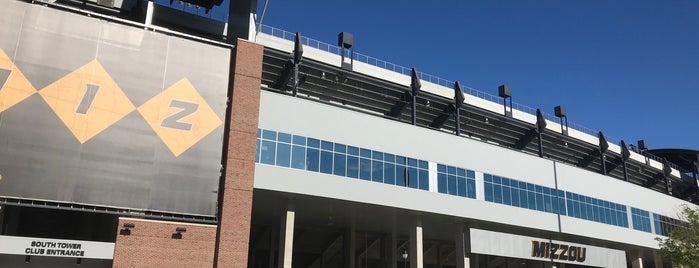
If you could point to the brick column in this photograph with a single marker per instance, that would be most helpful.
(151, 244)
(235, 195)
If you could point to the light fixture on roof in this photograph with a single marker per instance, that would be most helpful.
(290, 73)
(540, 127)
(345, 40)
(603, 147)
(625, 155)
(505, 93)
(451, 108)
(560, 112)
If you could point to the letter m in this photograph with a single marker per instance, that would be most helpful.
(538, 249)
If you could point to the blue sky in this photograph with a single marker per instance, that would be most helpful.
(627, 68)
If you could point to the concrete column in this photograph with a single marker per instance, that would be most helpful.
(416, 251)
(461, 253)
(658, 259)
(286, 238)
(350, 244)
(637, 261)
(149, 14)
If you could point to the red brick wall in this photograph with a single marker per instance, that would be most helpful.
(236, 206)
(150, 244)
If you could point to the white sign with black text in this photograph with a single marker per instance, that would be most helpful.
(534, 248)
(17, 245)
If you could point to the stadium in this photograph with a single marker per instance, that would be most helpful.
(152, 134)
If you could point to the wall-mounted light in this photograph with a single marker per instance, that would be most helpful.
(127, 228)
(178, 232)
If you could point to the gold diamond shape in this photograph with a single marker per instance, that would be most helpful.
(87, 100)
(14, 86)
(180, 116)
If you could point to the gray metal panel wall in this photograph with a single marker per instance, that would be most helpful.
(118, 150)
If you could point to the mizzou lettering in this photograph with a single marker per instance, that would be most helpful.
(555, 251)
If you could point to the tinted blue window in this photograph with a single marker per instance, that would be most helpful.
(505, 181)
(412, 177)
(270, 135)
(365, 153)
(583, 212)
(539, 202)
(267, 152)
(365, 169)
(442, 183)
(283, 155)
(299, 140)
(352, 167)
(515, 197)
(539, 189)
(531, 187)
(460, 172)
(340, 148)
(523, 199)
(562, 206)
(461, 186)
(313, 143)
(412, 162)
(401, 173)
(298, 157)
(424, 179)
(569, 207)
(488, 191)
(471, 189)
(531, 196)
(259, 133)
(487, 178)
(443, 168)
(377, 155)
(471, 174)
(351, 150)
(506, 196)
(326, 145)
(451, 184)
(312, 159)
(284, 137)
(400, 160)
(497, 180)
(326, 162)
(257, 151)
(377, 171)
(389, 158)
(423, 164)
(451, 170)
(389, 173)
(497, 193)
(339, 164)
(554, 205)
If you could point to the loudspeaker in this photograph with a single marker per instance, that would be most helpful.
(345, 39)
(560, 111)
(504, 91)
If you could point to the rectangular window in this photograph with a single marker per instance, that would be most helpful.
(471, 189)
(451, 184)
(284, 154)
(515, 197)
(377, 171)
(461, 186)
(401, 173)
(487, 177)
(339, 164)
(313, 143)
(312, 159)
(299, 140)
(298, 157)
(269, 135)
(377, 155)
(523, 199)
(353, 167)
(506, 196)
(389, 173)
(257, 149)
(340, 148)
(353, 151)
(365, 153)
(442, 184)
(389, 158)
(531, 196)
(326, 162)
(497, 193)
(326, 145)
(488, 191)
(423, 180)
(284, 137)
(267, 152)
(540, 201)
(412, 177)
(365, 169)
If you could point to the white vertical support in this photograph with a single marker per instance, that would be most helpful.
(637, 260)
(480, 186)
(286, 237)
(416, 250)
(433, 174)
(149, 13)
(461, 252)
